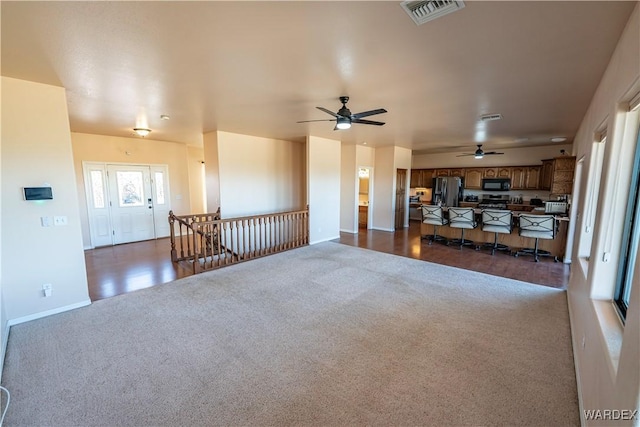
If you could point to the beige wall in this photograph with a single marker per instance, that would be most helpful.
(4, 329)
(387, 161)
(323, 178)
(212, 171)
(512, 157)
(113, 149)
(195, 161)
(606, 353)
(36, 150)
(260, 175)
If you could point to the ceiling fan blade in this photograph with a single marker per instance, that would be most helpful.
(321, 120)
(367, 113)
(466, 154)
(327, 111)
(367, 122)
(491, 152)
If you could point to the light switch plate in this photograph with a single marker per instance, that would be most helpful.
(45, 221)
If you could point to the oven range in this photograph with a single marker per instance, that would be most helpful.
(494, 202)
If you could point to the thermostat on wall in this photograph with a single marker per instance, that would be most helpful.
(38, 193)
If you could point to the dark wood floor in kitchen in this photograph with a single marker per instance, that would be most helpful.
(125, 268)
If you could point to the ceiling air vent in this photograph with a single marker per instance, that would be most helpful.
(490, 117)
(423, 11)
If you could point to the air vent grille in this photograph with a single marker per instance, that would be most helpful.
(424, 11)
(490, 117)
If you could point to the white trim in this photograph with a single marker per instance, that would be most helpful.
(51, 312)
(315, 242)
(576, 363)
(86, 248)
(392, 230)
(344, 230)
(5, 340)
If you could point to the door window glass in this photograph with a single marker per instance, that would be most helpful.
(130, 188)
(159, 181)
(97, 188)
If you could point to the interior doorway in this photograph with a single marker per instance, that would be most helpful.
(126, 203)
(365, 197)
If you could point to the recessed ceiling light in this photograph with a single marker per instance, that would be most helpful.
(558, 139)
(364, 143)
(164, 117)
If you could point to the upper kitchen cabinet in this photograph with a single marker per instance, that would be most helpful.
(456, 172)
(563, 170)
(473, 178)
(518, 177)
(442, 172)
(532, 179)
(546, 175)
(504, 173)
(421, 178)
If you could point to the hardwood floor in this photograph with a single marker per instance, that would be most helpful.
(124, 268)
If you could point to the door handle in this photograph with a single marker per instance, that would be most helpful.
(150, 207)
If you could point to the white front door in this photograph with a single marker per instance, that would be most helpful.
(131, 203)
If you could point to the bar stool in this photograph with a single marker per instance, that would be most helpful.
(537, 227)
(496, 221)
(433, 215)
(463, 218)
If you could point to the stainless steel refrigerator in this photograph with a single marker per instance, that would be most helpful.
(447, 190)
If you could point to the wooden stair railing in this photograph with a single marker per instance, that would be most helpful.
(214, 243)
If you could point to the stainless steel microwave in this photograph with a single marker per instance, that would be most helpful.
(496, 184)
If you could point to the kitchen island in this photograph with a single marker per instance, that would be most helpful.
(556, 246)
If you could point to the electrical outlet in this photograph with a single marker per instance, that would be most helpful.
(60, 220)
(46, 288)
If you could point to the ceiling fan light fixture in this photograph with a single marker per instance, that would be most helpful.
(142, 131)
(343, 123)
(477, 156)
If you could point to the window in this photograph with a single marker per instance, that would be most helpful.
(130, 188)
(159, 182)
(97, 188)
(630, 238)
(593, 188)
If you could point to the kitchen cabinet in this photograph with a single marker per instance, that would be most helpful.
(490, 172)
(442, 172)
(546, 175)
(416, 178)
(473, 178)
(504, 173)
(563, 170)
(518, 177)
(532, 178)
(421, 178)
(456, 172)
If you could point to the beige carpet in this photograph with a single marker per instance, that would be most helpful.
(323, 335)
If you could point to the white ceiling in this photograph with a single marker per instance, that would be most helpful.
(257, 68)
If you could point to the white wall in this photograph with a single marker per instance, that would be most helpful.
(607, 354)
(195, 160)
(260, 175)
(348, 189)
(36, 149)
(142, 151)
(383, 191)
(323, 183)
(526, 156)
(402, 160)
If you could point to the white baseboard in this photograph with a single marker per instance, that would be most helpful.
(5, 340)
(576, 362)
(383, 229)
(343, 230)
(42, 314)
(86, 248)
(315, 242)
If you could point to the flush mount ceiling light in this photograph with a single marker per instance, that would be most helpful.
(558, 139)
(142, 131)
(343, 123)
(164, 117)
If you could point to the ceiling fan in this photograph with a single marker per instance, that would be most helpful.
(344, 118)
(479, 153)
